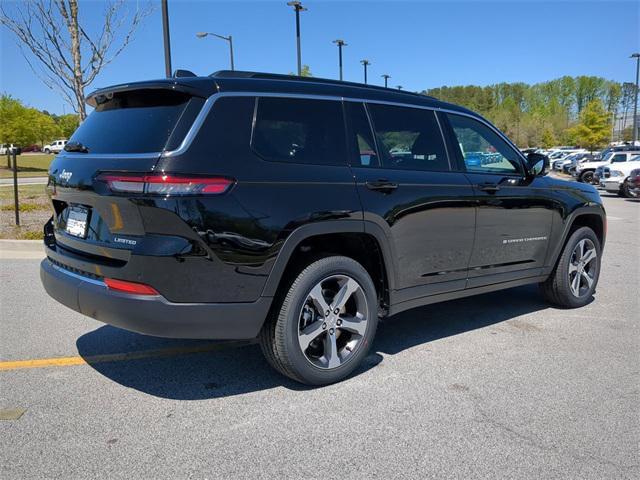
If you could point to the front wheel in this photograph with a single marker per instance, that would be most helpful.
(325, 324)
(47, 151)
(574, 279)
(586, 177)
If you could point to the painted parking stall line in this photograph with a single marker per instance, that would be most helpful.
(115, 357)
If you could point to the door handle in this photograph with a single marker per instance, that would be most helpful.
(489, 187)
(384, 186)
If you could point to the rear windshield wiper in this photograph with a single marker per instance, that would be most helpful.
(76, 147)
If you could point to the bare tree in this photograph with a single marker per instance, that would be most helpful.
(68, 57)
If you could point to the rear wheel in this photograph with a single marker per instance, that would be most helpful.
(325, 324)
(575, 277)
(586, 177)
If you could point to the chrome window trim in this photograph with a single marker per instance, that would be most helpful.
(208, 105)
(65, 154)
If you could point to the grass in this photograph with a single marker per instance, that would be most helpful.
(22, 233)
(25, 207)
(31, 235)
(35, 210)
(28, 166)
(30, 197)
(25, 192)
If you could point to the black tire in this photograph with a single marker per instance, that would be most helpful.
(624, 190)
(586, 177)
(279, 336)
(47, 151)
(556, 289)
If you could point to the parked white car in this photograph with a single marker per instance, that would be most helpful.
(585, 171)
(616, 177)
(54, 147)
(564, 160)
(6, 147)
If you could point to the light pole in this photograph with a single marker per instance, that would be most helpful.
(365, 63)
(297, 6)
(340, 43)
(635, 103)
(167, 40)
(399, 87)
(386, 79)
(228, 39)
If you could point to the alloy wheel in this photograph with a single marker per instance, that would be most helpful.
(333, 321)
(582, 268)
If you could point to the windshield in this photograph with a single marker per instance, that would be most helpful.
(608, 157)
(138, 121)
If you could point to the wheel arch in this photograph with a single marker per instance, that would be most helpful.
(366, 244)
(593, 217)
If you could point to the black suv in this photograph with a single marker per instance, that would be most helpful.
(299, 212)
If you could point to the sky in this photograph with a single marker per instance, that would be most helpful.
(421, 44)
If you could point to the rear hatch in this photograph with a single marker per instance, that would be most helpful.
(126, 134)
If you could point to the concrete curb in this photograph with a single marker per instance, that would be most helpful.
(22, 246)
(21, 249)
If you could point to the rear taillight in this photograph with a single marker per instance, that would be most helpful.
(130, 287)
(165, 184)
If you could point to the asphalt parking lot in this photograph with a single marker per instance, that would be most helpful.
(494, 386)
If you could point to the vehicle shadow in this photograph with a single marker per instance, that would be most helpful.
(234, 369)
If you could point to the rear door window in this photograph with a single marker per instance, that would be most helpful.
(408, 138)
(138, 121)
(363, 145)
(297, 130)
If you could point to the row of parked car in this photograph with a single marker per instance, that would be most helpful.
(54, 147)
(614, 169)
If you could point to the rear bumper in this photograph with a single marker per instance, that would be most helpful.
(612, 186)
(153, 315)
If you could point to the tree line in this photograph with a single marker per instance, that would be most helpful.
(568, 110)
(25, 126)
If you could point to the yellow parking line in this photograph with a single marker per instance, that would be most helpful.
(112, 357)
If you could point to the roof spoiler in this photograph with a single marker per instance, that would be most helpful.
(99, 96)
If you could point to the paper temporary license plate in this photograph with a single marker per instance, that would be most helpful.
(77, 221)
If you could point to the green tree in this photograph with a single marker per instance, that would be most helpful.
(548, 138)
(593, 129)
(306, 72)
(588, 89)
(68, 124)
(17, 122)
(46, 127)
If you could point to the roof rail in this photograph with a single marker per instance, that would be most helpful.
(296, 78)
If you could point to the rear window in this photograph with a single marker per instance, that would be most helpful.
(141, 121)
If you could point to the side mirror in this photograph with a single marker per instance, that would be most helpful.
(537, 164)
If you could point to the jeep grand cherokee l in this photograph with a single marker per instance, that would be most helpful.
(299, 212)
